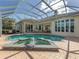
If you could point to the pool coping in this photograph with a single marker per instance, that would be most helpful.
(52, 46)
(36, 47)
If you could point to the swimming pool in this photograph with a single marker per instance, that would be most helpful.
(30, 41)
(36, 36)
(31, 44)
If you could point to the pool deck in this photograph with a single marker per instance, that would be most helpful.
(68, 49)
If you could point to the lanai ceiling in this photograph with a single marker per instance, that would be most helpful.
(36, 9)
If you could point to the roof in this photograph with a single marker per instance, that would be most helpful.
(51, 17)
(29, 20)
(61, 15)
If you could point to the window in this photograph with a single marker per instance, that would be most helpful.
(42, 27)
(47, 27)
(72, 25)
(56, 26)
(39, 27)
(26, 27)
(67, 25)
(31, 27)
(62, 26)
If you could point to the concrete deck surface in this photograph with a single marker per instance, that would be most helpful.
(69, 49)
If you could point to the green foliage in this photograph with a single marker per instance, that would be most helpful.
(7, 24)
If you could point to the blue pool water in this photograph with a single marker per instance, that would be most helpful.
(36, 36)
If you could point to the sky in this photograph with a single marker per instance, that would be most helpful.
(21, 8)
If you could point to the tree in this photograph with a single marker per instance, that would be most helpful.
(8, 25)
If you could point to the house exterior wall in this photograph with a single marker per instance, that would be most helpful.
(27, 22)
(51, 22)
(76, 26)
(22, 26)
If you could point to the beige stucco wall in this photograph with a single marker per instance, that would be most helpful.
(34, 25)
(27, 22)
(51, 21)
(76, 25)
